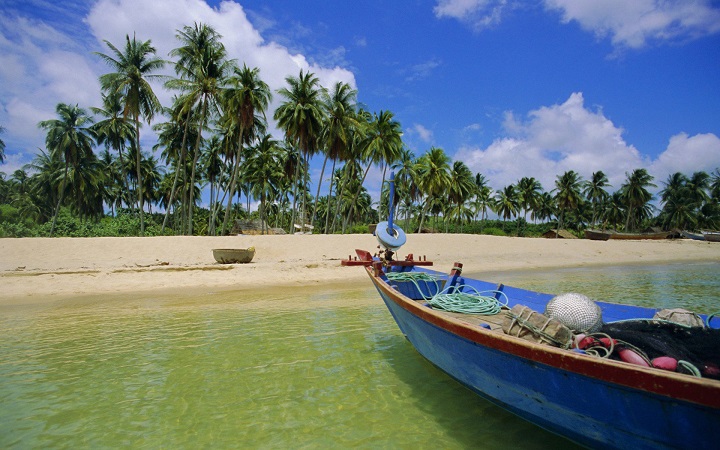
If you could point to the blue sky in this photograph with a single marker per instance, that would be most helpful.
(512, 88)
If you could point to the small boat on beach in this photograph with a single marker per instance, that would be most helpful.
(597, 235)
(635, 236)
(234, 255)
(601, 374)
(711, 236)
(693, 236)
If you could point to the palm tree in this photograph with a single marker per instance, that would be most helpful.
(405, 185)
(529, 190)
(461, 188)
(636, 197)
(246, 99)
(433, 170)
(71, 139)
(264, 172)
(339, 106)
(114, 131)
(567, 194)
(134, 69)
(595, 192)
(381, 144)
(301, 117)
(213, 167)
(545, 207)
(202, 69)
(507, 202)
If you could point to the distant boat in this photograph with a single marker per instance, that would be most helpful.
(711, 236)
(597, 235)
(234, 255)
(693, 236)
(635, 236)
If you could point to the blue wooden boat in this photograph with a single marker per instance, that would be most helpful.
(593, 401)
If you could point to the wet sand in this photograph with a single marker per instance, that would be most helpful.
(44, 269)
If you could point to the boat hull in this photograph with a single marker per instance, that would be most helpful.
(597, 235)
(602, 405)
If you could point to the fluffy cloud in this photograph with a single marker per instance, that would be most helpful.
(569, 136)
(634, 23)
(688, 154)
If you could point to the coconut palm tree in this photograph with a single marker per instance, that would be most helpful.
(70, 138)
(636, 197)
(462, 187)
(134, 69)
(405, 185)
(545, 207)
(264, 171)
(594, 191)
(301, 116)
(336, 136)
(433, 172)
(246, 99)
(567, 194)
(114, 131)
(201, 69)
(528, 189)
(507, 202)
(381, 144)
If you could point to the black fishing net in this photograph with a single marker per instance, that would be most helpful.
(699, 346)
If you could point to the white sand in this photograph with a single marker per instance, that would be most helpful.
(43, 269)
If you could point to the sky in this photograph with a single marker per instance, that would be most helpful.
(513, 89)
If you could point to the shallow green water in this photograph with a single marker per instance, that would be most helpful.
(693, 286)
(300, 368)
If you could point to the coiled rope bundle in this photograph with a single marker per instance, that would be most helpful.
(452, 298)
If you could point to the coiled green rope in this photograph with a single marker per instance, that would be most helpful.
(452, 299)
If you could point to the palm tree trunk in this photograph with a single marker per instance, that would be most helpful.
(181, 164)
(231, 189)
(317, 196)
(338, 203)
(60, 197)
(139, 178)
(191, 204)
(327, 213)
(295, 186)
(357, 194)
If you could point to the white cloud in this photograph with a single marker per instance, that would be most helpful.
(479, 14)
(634, 23)
(687, 154)
(423, 133)
(569, 136)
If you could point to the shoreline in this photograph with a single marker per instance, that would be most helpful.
(43, 270)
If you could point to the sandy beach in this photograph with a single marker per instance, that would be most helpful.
(44, 269)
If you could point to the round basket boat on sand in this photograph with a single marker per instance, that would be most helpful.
(234, 255)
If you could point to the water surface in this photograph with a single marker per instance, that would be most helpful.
(278, 368)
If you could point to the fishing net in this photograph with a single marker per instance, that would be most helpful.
(699, 346)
